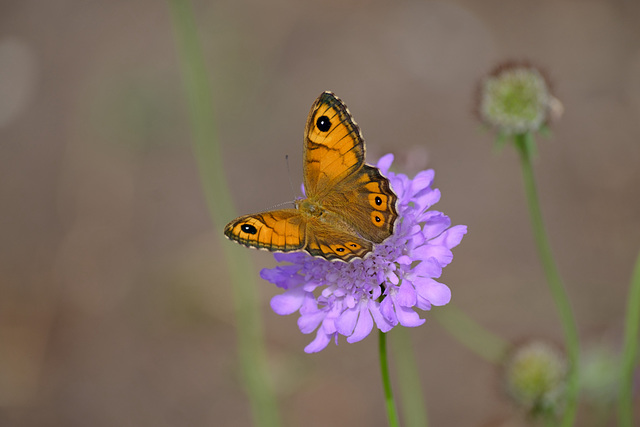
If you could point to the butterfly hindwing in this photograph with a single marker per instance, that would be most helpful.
(331, 243)
(367, 203)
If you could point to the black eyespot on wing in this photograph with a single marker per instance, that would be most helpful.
(248, 228)
(323, 123)
(378, 200)
(339, 249)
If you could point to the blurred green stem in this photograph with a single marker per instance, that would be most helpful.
(392, 412)
(630, 351)
(251, 351)
(411, 396)
(525, 146)
(485, 344)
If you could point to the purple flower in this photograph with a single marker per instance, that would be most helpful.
(384, 288)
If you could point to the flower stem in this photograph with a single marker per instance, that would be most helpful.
(412, 406)
(251, 351)
(469, 333)
(392, 412)
(524, 144)
(630, 352)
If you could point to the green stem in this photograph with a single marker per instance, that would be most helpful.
(413, 407)
(469, 333)
(630, 351)
(392, 412)
(251, 352)
(524, 142)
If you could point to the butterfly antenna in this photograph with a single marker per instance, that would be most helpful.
(286, 160)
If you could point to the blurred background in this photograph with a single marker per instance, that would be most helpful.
(114, 302)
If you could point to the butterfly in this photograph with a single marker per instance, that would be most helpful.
(349, 205)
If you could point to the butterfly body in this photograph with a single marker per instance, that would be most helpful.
(350, 206)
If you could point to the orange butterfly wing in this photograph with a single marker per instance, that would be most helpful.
(349, 207)
(332, 243)
(280, 230)
(334, 147)
(336, 175)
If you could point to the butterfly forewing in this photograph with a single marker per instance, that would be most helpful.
(334, 148)
(279, 230)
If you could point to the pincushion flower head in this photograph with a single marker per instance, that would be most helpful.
(516, 99)
(535, 375)
(383, 289)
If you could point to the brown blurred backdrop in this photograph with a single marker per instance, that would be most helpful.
(114, 304)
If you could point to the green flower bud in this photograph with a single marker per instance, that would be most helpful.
(515, 99)
(535, 376)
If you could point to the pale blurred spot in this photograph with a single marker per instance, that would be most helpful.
(556, 109)
(409, 160)
(413, 159)
(18, 78)
(600, 373)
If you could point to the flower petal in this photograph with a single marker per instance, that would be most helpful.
(435, 225)
(363, 327)
(422, 181)
(288, 302)
(385, 163)
(381, 322)
(406, 295)
(347, 321)
(443, 255)
(408, 317)
(435, 292)
(429, 199)
(422, 303)
(284, 276)
(404, 260)
(428, 268)
(387, 311)
(308, 323)
(392, 277)
(319, 343)
(292, 257)
(452, 237)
